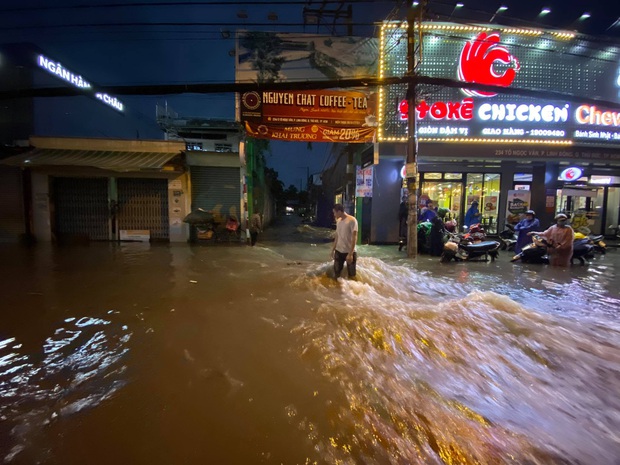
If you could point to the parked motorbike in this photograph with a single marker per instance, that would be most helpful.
(461, 250)
(598, 243)
(475, 233)
(536, 252)
(508, 238)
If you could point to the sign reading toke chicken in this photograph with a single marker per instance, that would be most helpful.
(310, 116)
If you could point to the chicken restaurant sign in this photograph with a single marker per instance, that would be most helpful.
(506, 57)
(76, 80)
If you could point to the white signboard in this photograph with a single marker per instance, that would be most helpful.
(363, 182)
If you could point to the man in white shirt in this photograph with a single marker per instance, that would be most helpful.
(344, 244)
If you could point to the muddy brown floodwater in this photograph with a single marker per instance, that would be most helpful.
(185, 354)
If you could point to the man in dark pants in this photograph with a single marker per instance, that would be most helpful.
(256, 226)
(344, 244)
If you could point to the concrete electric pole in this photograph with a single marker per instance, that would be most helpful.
(414, 56)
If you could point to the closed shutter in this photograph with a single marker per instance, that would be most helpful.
(11, 204)
(81, 208)
(143, 205)
(216, 189)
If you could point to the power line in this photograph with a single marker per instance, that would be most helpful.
(306, 85)
(177, 4)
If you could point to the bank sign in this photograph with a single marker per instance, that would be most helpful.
(521, 58)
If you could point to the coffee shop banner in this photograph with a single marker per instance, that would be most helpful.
(347, 115)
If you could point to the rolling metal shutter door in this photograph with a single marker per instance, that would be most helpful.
(11, 204)
(81, 208)
(217, 189)
(143, 204)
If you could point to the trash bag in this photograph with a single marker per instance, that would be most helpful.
(199, 216)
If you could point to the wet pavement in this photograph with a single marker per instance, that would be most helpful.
(192, 354)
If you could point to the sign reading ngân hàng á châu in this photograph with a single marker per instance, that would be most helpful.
(319, 116)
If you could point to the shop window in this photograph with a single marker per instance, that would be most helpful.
(453, 176)
(432, 175)
(484, 189)
(613, 211)
(446, 196)
(584, 207)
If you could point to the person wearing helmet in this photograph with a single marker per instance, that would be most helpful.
(560, 239)
(523, 228)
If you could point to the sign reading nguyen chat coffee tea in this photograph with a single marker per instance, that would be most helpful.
(310, 116)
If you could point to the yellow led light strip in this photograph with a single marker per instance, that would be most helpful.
(462, 140)
(563, 35)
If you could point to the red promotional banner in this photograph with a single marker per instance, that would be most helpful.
(310, 133)
(319, 115)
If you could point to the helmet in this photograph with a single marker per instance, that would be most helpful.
(561, 216)
(530, 212)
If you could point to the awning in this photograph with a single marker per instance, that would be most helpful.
(105, 160)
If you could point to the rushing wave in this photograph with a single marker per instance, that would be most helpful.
(432, 372)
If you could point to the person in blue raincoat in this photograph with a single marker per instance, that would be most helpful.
(526, 225)
(473, 215)
(428, 212)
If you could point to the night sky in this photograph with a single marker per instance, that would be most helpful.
(88, 36)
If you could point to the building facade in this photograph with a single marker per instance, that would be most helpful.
(103, 190)
(508, 151)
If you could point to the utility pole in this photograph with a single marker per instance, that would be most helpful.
(414, 56)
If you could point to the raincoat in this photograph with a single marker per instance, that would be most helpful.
(560, 239)
(472, 216)
(523, 227)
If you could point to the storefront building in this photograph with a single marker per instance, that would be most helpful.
(509, 152)
(217, 173)
(104, 190)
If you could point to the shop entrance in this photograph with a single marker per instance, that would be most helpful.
(584, 207)
(80, 209)
(143, 205)
(447, 194)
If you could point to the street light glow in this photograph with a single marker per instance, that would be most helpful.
(459, 5)
(545, 11)
(501, 9)
(584, 16)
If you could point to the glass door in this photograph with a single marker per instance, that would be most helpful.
(485, 190)
(612, 217)
(584, 207)
(446, 195)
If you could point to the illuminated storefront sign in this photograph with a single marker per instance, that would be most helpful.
(503, 56)
(109, 100)
(477, 64)
(570, 174)
(57, 70)
(523, 112)
(463, 110)
(589, 114)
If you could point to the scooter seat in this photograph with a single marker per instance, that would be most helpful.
(596, 238)
(481, 246)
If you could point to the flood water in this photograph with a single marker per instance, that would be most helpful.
(185, 354)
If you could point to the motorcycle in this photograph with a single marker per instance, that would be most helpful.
(508, 238)
(536, 252)
(461, 250)
(475, 233)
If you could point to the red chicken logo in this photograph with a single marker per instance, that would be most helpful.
(478, 57)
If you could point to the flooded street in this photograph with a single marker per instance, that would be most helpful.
(190, 354)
